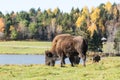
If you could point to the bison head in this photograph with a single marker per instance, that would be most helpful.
(76, 59)
(50, 58)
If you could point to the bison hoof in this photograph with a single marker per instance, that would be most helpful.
(62, 66)
(72, 65)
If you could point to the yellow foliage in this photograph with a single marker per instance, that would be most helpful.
(49, 11)
(55, 11)
(53, 22)
(95, 15)
(115, 11)
(2, 24)
(80, 20)
(11, 28)
(59, 29)
(92, 9)
(85, 11)
(92, 28)
(101, 26)
(108, 6)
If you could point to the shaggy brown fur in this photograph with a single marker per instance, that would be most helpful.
(81, 46)
(60, 37)
(65, 48)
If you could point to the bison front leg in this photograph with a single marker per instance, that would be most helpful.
(82, 56)
(62, 61)
(71, 58)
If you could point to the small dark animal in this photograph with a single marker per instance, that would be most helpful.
(96, 58)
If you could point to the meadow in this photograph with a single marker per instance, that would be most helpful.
(35, 47)
(24, 47)
(107, 69)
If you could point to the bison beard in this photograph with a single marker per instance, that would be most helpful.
(64, 46)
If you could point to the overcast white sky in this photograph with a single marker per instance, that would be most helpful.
(6, 6)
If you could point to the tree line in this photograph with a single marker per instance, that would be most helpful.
(101, 21)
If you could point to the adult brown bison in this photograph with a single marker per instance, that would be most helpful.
(65, 45)
(62, 46)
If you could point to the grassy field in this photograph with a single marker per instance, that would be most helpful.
(108, 47)
(107, 69)
(24, 47)
(35, 47)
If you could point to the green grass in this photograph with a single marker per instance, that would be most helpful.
(24, 47)
(108, 47)
(36, 47)
(107, 69)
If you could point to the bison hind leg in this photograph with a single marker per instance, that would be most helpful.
(84, 60)
(62, 61)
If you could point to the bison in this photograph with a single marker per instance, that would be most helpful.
(62, 47)
(65, 45)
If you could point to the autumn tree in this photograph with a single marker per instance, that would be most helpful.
(108, 8)
(2, 28)
(52, 29)
(2, 25)
(82, 22)
(56, 11)
(115, 12)
(91, 29)
(83, 17)
(44, 25)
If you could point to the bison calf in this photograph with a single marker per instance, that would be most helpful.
(96, 58)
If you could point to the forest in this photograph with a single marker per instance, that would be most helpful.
(93, 24)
